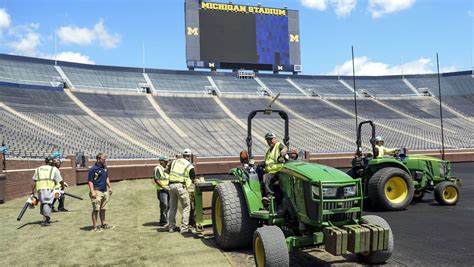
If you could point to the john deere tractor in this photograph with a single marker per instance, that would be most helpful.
(392, 183)
(313, 205)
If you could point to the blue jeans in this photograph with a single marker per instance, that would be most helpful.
(164, 198)
(61, 202)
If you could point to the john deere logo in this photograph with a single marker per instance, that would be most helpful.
(193, 31)
(280, 68)
(294, 38)
(211, 65)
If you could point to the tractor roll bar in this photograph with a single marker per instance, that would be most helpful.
(283, 115)
(359, 137)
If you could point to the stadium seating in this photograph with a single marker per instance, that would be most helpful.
(181, 83)
(103, 78)
(280, 85)
(322, 85)
(381, 85)
(27, 71)
(233, 85)
(39, 117)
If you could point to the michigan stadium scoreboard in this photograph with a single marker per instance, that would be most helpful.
(233, 36)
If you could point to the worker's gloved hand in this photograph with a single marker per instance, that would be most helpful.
(282, 158)
(166, 188)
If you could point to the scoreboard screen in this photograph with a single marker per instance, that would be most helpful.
(231, 36)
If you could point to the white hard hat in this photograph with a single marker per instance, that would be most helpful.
(379, 139)
(187, 152)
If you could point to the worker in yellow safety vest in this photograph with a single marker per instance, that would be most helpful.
(182, 174)
(45, 179)
(57, 163)
(162, 186)
(380, 150)
(275, 157)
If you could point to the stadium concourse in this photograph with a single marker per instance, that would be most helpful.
(77, 108)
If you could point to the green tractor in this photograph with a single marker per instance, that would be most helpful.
(313, 205)
(392, 183)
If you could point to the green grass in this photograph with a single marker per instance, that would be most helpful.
(136, 240)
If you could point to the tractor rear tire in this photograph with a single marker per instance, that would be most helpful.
(390, 189)
(377, 257)
(269, 247)
(232, 225)
(447, 193)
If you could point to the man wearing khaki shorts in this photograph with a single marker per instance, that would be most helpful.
(100, 191)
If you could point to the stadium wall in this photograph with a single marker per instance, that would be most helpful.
(19, 172)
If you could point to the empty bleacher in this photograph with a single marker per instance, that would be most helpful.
(233, 85)
(381, 85)
(321, 85)
(318, 124)
(23, 70)
(104, 78)
(280, 85)
(181, 83)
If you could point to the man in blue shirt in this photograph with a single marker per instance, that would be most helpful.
(100, 191)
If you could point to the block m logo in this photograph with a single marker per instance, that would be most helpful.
(280, 68)
(212, 65)
(193, 31)
(294, 38)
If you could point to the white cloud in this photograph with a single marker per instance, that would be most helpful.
(5, 20)
(86, 36)
(378, 8)
(27, 45)
(106, 39)
(315, 4)
(343, 7)
(73, 57)
(365, 67)
(27, 39)
(76, 35)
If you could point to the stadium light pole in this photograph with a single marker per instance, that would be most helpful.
(143, 56)
(354, 86)
(55, 49)
(440, 108)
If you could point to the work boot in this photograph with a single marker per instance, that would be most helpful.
(96, 229)
(63, 210)
(266, 202)
(162, 223)
(172, 229)
(184, 231)
(108, 227)
(45, 223)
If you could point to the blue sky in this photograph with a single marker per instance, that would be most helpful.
(388, 35)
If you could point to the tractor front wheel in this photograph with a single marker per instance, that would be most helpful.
(381, 256)
(447, 193)
(269, 247)
(390, 189)
(231, 223)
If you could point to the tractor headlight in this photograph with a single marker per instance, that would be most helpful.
(350, 191)
(329, 191)
(443, 169)
(315, 190)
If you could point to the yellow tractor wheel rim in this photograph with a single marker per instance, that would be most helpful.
(450, 194)
(218, 216)
(259, 252)
(396, 189)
